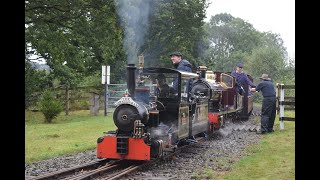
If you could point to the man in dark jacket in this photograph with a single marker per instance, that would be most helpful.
(163, 89)
(180, 64)
(241, 79)
(268, 110)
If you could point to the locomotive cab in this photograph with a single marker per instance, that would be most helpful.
(169, 106)
(176, 111)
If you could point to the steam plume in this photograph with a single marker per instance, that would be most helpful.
(134, 16)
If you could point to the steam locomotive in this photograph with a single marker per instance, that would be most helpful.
(150, 126)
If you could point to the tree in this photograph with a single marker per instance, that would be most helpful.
(269, 58)
(50, 106)
(74, 37)
(231, 39)
(35, 82)
(175, 26)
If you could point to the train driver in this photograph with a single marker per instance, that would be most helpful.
(163, 89)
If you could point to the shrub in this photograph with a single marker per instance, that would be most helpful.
(50, 106)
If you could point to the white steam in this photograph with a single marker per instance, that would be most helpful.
(134, 15)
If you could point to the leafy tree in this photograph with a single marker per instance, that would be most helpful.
(176, 25)
(231, 40)
(50, 106)
(270, 58)
(35, 82)
(265, 60)
(74, 37)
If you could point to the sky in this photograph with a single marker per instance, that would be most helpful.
(276, 16)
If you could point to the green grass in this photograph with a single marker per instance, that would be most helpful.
(66, 135)
(272, 158)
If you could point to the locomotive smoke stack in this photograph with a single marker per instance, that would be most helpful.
(202, 71)
(203, 74)
(131, 79)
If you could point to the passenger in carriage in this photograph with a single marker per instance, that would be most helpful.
(163, 89)
(242, 79)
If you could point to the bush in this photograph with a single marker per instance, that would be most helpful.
(50, 106)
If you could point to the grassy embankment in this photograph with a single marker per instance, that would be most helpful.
(272, 158)
(66, 135)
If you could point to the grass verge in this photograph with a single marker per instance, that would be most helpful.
(66, 135)
(272, 158)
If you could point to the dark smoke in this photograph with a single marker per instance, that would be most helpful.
(134, 15)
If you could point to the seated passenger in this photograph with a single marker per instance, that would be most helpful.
(163, 89)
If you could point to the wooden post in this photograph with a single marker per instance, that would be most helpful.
(281, 106)
(277, 97)
(94, 104)
(67, 100)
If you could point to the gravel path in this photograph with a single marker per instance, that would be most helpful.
(218, 153)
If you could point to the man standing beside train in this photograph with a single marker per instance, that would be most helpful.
(180, 64)
(268, 110)
(241, 79)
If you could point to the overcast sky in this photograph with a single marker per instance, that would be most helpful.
(276, 16)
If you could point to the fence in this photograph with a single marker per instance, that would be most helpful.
(80, 98)
(92, 97)
(85, 98)
(282, 101)
(114, 93)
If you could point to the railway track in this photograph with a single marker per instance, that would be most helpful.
(109, 169)
(103, 169)
(251, 128)
(247, 125)
(69, 171)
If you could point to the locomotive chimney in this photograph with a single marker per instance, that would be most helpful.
(131, 79)
(202, 71)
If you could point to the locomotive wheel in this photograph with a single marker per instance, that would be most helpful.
(124, 117)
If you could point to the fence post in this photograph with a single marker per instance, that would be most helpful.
(281, 102)
(277, 97)
(94, 104)
(67, 100)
